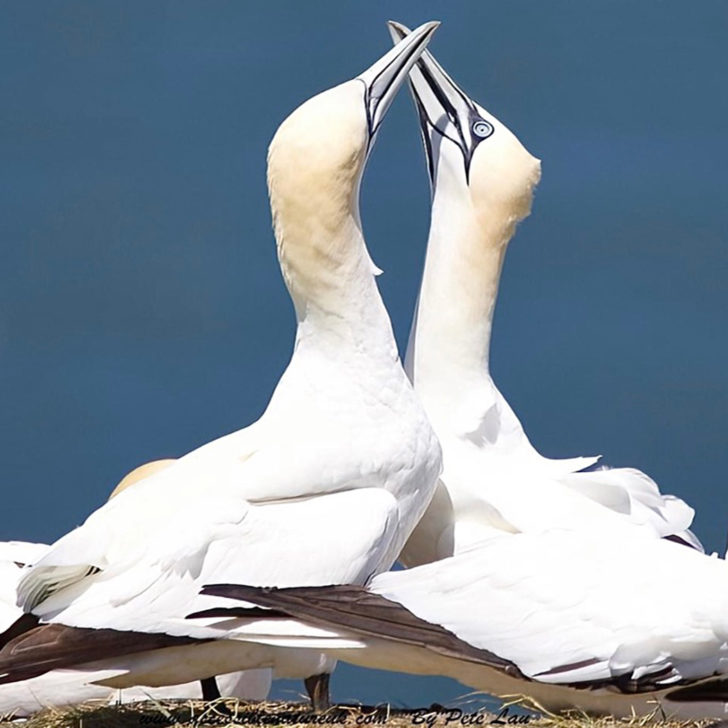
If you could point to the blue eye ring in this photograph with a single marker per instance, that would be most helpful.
(482, 128)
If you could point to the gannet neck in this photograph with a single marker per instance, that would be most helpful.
(482, 182)
(338, 306)
(453, 320)
(315, 164)
(471, 226)
(314, 190)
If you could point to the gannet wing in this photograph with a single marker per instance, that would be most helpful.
(566, 606)
(14, 555)
(353, 610)
(633, 493)
(625, 490)
(341, 537)
(54, 646)
(560, 607)
(22, 553)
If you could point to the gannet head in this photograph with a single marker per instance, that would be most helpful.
(470, 153)
(315, 164)
(140, 473)
(482, 181)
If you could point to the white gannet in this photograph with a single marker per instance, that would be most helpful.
(549, 594)
(482, 181)
(65, 687)
(325, 487)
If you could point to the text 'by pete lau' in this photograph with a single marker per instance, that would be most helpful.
(455, 716)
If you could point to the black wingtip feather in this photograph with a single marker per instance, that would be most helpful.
(24, 623)
(353, 608)
(238, 612)
(57, 646)
(715, 690)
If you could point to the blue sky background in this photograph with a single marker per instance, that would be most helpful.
(142, 312)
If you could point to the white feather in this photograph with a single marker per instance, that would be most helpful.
(494, 477)
(68, 687)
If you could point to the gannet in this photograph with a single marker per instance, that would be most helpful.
(579, 608)
(325, 487)
(65, 687)
(482, 181)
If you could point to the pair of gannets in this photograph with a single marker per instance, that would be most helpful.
(324, 488)
(66, 687)
(557, 585)
(512, 610)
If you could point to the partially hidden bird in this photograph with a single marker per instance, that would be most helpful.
(67, 687)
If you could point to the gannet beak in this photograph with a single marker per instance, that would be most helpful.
(443, 107)
(383, 79)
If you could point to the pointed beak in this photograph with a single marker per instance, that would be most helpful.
(383, 79)
(443, 106)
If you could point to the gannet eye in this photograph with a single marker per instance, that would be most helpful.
(482, 129)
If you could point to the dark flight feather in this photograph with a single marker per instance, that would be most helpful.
(56, 646)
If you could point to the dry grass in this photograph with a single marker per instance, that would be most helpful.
(226, 712)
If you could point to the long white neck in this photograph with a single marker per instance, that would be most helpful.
(330, 276)
(343, 313)
(321, 248)
(449, 342)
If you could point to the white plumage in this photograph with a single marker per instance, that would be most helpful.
(607, 626)
(561, 579)
(328, 484)
(67, 687)
(482, 186)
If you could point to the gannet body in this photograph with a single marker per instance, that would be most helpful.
(560, 587)
(69, 687)
(325, 487)
(482, 182)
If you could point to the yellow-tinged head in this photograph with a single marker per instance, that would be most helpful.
(471, 155)
(315, 164)
(483, 181)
